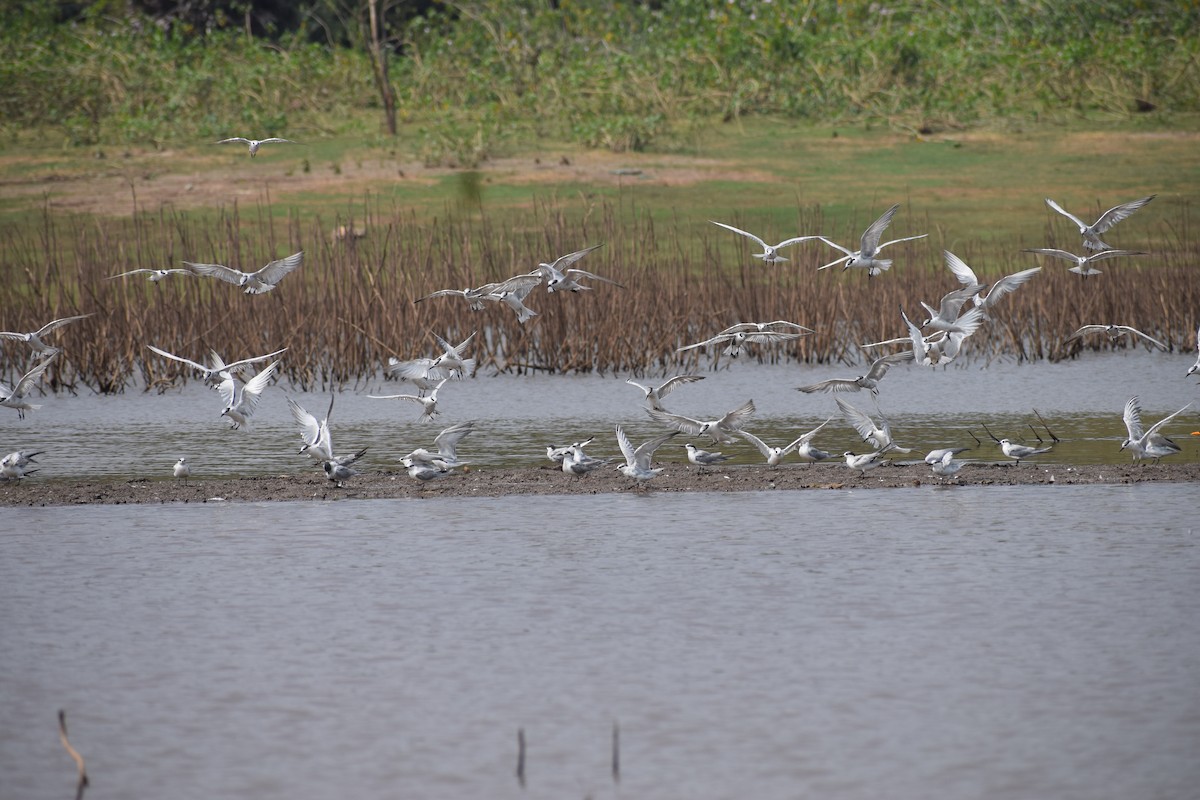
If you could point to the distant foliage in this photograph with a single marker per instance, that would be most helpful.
(622, 76)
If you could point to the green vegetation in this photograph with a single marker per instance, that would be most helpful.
(476, 76)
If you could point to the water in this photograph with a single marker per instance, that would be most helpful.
(966, 642)
(138, 435)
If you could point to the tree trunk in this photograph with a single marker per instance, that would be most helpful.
(380, 67)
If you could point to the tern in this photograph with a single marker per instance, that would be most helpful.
(738, 339)
(242, 399)
(774, 455)
(14, 466)
(879, 368)
(424, 472)
(557, 454)
(318, 441)
(428, 403)
(943, 346)
(966, 276)
(770, 253)
(446, 454)
(577, 462)
(1192, 370)
(1020, 451)
(945, 316)
(559, 278)
(254, 144)
(1091, 233)
(866, 461)
(219, 370)
(704, 458)
(718, 430)
(34, 338)
(1083, 264)
(1114, 332)
(946, 466)
(182, 471)
(15, 397)
(654, 395)
(1149, 443)
(637, 462)
(474, 297)
(338, 472)
(259, 282)
(935, 456)
(451, 360)
(869, 247)
(878, 436)
(418, 371)
(155, 275)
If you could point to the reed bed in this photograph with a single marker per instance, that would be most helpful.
(351, 305)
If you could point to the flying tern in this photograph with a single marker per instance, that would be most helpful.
(735, 341)
(155, 275)
(718, 430)
(242, 398)
(878, 436)
(318, 441)
(259, 282)
(1114, 332)
(868, 247)
(34, 338)
(15, 398)
(1083, 264)
(654, 395)
(428, 403)
(1091, 233)
(770, 253)
(559, 278)
(866, 461)
(254, 144)
(966, 276)
(945, 317)
(879, 368)
(219, 370)
(1147, 443)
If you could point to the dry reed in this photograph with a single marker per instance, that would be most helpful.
(350, 306)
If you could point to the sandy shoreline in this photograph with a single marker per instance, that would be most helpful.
(485, 482)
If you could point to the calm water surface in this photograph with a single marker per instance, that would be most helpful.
(965, 642)
(140, 435)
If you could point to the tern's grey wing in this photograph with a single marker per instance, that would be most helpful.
(879, 366)
(443, 293)
(965, 275)
(1133, 418)
(411, 397)
(870, 239)
(245, 361)
(1118, 213)
(1056, 207)
(831, 385)
(255, 386)
(518, 285)
(747, 234)
(1103, 254)
(720, 337)
(626, 448)
(1154, 428)
(593, 276)
(735, 419)
(1084, 331)
(241, 139)
(31, 377)
(174, 357)
(273, 273)
(920, 347)
(685, 424)
(58, 323)
(645, 451)
(857, 419)
(1007, 284)
(762, 446)
(670, 385)
(562, 262)
(275, 139)
(219, 271)
(1056, 253)
(808, 437)
(952, 302)
(228, 391)
(794, 240)
(447, 441)
(136, 272)
(309, 426)
(1148, 338)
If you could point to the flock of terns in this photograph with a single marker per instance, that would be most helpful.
(948, 326)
